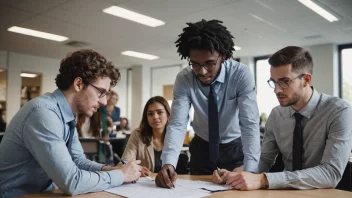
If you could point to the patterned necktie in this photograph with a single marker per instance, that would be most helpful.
(297, 147)
(213, 118)
(72, 125)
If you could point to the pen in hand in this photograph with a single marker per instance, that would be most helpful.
(169, 174)
(124, 163)
(219, 173)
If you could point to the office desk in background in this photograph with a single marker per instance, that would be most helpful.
(119, 143)
(321, 193)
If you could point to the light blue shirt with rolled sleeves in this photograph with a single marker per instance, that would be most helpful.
(33, 153)
(238, 112)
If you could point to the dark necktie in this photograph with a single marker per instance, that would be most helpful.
(72, 125)
(297, 147)
(213, 118)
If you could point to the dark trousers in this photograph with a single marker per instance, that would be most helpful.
(230, 156)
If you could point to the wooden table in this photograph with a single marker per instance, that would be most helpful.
(321, 193)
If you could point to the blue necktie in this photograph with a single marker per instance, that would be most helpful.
(297, 147)
(72, 125)
(213, 118)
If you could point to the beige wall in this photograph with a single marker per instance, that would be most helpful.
(21, 62)
(3, 77)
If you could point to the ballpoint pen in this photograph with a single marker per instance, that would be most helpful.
(219, 173)
(169, 174)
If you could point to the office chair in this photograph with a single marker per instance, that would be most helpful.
(91, 148)
(279, 165)
(118, 145)
(346, 180)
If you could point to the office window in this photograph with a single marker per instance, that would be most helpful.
(265, 94)
(345, 60)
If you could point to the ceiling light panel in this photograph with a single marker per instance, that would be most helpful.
(319, 10)
(133, 16)
(36, 33)
(139, 55)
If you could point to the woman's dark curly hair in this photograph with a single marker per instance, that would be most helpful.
(87, 64)
(144, 128)
(205, 35)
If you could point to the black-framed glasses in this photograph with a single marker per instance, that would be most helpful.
(208, 65)
(102, 92)
(283, 83)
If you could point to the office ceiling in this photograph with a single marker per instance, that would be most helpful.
(284, 22)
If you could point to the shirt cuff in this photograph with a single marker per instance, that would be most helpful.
(251, 166)
(276, 180)
(116, 178)
(169, 159)
(96, 167)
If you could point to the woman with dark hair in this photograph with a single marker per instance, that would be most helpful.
(147, 142)
(91, 127)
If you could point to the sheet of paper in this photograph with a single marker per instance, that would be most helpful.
(201, 184)
(145, 187)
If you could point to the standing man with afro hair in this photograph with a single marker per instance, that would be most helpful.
(222, 92)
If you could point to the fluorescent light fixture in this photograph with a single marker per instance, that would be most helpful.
(36, 33)
(237, 48)
(133, 16)
(139, 55)
(319, 10)
(29, 75)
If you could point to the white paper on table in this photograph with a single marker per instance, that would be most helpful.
(196, 184)
(145, 187)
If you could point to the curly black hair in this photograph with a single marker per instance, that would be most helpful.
(205, 35)
(87, 64)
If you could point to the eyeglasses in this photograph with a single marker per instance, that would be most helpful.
(102, 92)
(282, 83)
(208, 65)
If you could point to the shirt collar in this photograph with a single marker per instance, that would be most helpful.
(65, 108)
(221, 76)
(309, 108)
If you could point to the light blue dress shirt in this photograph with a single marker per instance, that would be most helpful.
(33, 153)
(238, 112)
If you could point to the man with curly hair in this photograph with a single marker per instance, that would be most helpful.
(222, 92)
(41, 147)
